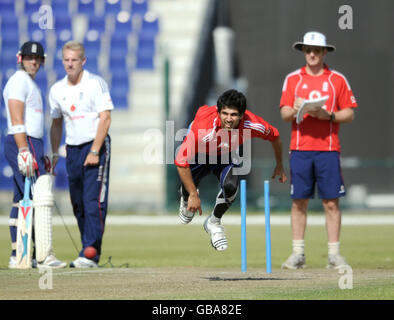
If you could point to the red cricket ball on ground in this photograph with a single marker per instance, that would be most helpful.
(90, 252)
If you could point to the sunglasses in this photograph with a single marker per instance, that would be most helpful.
(314, 49)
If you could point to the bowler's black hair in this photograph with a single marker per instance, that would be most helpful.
(232, 99)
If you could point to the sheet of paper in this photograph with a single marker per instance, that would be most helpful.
(310, 105)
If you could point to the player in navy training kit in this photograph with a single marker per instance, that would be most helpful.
(82, 99)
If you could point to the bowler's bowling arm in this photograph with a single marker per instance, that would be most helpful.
(194, 202)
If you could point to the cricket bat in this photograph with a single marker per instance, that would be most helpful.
(24, 229)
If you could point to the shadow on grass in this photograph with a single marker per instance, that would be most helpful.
(248, 279)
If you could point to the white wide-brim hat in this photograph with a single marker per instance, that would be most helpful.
(314, 38)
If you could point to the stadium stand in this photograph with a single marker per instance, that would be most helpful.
(5, 177)
(97, 23)
(150, 24)
(120, 88)
(125, 42)
(7, 8)
(119, 46)
(112, 7)
(42, 81)
(58, 68)
(63, 28)
(32, 6)
(145, 52)
(123, 24)
(92, 43)
(9, 27)
(139, 7)
(60, 7)
(86, 7)
(34, 32)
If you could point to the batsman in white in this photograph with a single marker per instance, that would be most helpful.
(83, 101)
(24, 151)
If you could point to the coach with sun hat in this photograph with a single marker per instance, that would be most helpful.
(314, 145)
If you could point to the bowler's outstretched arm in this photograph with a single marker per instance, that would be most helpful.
(194, 202)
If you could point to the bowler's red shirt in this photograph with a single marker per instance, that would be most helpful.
(313, 134)
(206, 136)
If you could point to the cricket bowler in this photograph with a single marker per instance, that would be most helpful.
(219, 133)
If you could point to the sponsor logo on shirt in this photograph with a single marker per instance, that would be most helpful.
(315, 94)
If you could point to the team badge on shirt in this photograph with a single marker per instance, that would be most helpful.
(72, 108)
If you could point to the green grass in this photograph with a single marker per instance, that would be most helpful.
(183, 246)
(177, 262)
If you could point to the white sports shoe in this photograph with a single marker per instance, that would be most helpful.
(185, 215)
(51, 262)
(216, 231)
(82, 262)
(295, 261)
(336, 261)
(12, 263)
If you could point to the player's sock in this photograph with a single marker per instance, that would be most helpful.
(298, 246)
(221, 206)
(333, 248)
(183, 193)
(214, 219)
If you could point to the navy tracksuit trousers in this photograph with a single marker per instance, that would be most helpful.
(89, 192)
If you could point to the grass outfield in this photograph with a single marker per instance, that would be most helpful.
(177, 262)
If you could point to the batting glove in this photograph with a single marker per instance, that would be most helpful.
(26, 162)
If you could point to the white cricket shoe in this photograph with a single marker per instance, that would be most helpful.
(185, 215)
(295, 261)
(12, 263)
(52, 262)
(216, 231)
(336, 261)
(82, 262)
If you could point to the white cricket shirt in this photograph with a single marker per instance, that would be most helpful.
(20, 86)
(80, 106)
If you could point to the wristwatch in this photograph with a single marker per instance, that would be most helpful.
(94, 152)
(332, 117)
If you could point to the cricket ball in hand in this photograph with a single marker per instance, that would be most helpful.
(90, 252)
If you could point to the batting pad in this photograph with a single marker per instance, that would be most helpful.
(43, 201)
